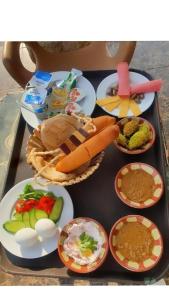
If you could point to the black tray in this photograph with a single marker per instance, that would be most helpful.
(96, 198)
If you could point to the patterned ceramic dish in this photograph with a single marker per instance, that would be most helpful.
(158, 185)
(145, 147)
(157, 246)
(69, 262)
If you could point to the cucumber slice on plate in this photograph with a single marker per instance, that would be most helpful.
(26, 219)
(13, 226)
(32, 218)
(18, 216)
(40, 214)
(56, 210)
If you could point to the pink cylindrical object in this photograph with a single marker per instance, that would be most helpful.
(147, 87)
(123, 80)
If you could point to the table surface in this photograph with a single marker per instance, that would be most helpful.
(9, 115)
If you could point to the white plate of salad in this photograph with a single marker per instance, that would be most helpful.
(31, 218)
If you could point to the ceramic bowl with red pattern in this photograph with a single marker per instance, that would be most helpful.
(136, 243)
(138, 192)
(83, 245)
(145, 146)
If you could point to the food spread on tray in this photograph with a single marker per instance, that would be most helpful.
(35, 213)
(135, 133)
(136, 243)
(67, 147)
(46, 97)
(127, 97)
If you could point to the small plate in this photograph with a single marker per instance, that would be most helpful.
(69, 262)
(135, 78)
(87, 104)
(157, 247)
(6, 207)
(145, 147)
(150, 170)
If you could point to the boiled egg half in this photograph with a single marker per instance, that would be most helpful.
(45, 228)
(26, 237)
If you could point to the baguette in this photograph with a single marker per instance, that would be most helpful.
(88, 150)
(101, 123)
(79, 136)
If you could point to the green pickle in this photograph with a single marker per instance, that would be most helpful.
(137, 140)
(134, 135)
(130, 127)
(122, 140)
(145, 128)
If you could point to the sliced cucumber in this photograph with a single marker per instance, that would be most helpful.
(13, 226)
(18, 216)
(26, 219)
(40, 214)
(56, 210)
(32, 218)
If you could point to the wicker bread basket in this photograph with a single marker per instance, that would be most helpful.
(45, 172)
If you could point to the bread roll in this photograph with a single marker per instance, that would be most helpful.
(56, 130)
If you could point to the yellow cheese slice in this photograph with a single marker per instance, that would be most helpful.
(123, 107)
(111, 106)
(134, 107)
(107, 100)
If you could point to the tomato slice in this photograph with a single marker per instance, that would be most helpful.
(25, 205)
(20, 206)
(46, 203)
(31, 203)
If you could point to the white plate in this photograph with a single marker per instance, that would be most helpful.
(135, 78)
(87, 104)
(6, 207)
